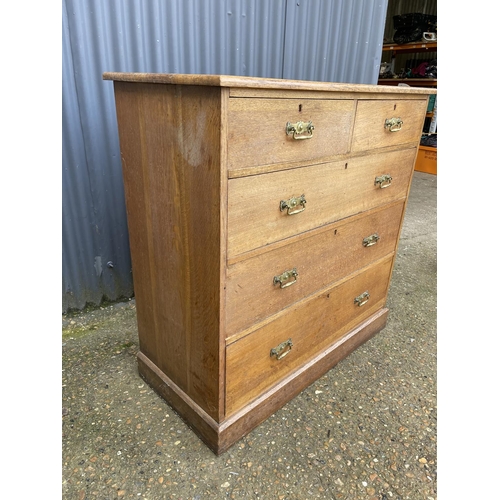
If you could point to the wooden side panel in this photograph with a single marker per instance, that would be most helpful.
(170, 140)
(257, 133)
(320, 260)
(138, 205)
(369, 127)
(311, 327)
(333, 191)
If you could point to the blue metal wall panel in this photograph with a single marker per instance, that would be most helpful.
(334, 40)
(314, 40)
(96, 260)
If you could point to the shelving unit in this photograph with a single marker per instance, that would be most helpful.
(413, 82)
(427, 156)
(408, 48)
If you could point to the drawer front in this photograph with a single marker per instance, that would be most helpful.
(371, 130)
(258, 287)
(332, 191)
(252, 367)
(257, 130)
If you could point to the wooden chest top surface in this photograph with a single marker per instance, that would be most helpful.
(262, 83)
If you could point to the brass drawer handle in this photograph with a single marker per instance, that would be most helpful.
(283, 279)
(393, 124)
(292, 203)
(384, 181)
(298, 128)
(279, 351)
(362, 299)
(371, 240)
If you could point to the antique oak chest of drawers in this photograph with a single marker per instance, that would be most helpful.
(263, 218)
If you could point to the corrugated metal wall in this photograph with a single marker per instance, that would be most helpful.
(334, 40)
(337, 40)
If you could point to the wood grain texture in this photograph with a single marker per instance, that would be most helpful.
(333, 192)
(223, 249)
(169, 138)
(266, 169)
(256, 82)
(250, 370)
(250, 416)
(258, 126)
(138, 206)
(320, 259)
(369, 131)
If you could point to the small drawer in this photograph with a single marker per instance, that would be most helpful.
(382, 123)
(258, 287)
(267, 208)
(261, 359)
(261, 131)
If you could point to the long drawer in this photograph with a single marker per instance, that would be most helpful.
(259, 287)
(258, 361)
(382, 123)
(266, 208)
(258, 130)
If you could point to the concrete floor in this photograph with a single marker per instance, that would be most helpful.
(365, 430)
